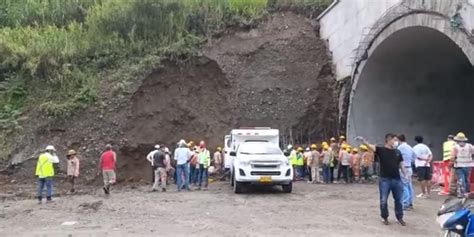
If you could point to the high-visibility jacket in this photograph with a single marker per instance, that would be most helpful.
(299, 160)
(293, 157)
(463, 155)
(205, 158)
(44, 167)
(447, 149)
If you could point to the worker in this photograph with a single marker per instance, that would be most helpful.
(314, 164)
(355, 158)
(292, 160)
(204, 163)
(307, 160)
(193, 166)
(333, 144)
(108, 159)
(344, 161)
(161, 163)
(149, 158)
(182, 156)
(218, 160)
(299, 163)
(72, 169)
(342, 140)
(462, 157)
(423, 163)
(367, 159)
(326, 163)
(45, 173)
(170, 170)
(449, 176)
(342, 149)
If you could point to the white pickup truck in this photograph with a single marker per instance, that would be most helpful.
(256, 159)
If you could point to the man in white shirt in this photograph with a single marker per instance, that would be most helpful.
(149, 158)
(422, 164)
(182, 156)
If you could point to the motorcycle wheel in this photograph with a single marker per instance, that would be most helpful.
(449, 233)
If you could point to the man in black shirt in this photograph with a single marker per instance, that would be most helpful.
(391, 162)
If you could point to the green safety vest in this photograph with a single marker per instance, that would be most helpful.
(293, 157)
(44, 167)
(447, 148)
(299, 160)
(204, 158)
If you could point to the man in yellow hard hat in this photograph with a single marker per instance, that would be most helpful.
(218, 160)
(299, 164)
(449, 176)
(326, 156)
(462, 157)
(313, 164)
(367, 159)
(355, 160)
(344, 163)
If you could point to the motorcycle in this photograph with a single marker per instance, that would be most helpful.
(456, 219)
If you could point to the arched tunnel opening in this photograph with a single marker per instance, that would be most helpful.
(416, 82)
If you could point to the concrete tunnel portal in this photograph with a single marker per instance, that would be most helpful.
(417, 82)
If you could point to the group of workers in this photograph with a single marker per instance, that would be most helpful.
(353, 164)
(48, 162)
(457, 164)
(190, 166)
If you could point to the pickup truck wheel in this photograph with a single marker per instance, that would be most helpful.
(238, 186)
(232, 179)
(287, 188)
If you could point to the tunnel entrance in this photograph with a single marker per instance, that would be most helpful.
(416, 82)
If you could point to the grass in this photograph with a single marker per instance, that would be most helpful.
(53, 53)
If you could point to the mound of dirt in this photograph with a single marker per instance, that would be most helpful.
(281, 77)
(277, 75)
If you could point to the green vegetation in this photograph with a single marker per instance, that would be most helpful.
(54, 53)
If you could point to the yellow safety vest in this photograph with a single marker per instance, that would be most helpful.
(299, 160)
(44, 167)
(293, 157)
(447, 148)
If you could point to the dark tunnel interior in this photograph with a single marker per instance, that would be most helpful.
(416, 82)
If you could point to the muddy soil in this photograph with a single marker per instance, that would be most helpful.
(281, 76)
(325, 210)
(277, 74)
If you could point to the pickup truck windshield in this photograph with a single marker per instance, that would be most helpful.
(259, 150)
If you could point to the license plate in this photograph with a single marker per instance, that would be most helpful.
(265, 179)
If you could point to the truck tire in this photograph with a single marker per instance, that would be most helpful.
(232, 179)
(287, 188)
(238, 186)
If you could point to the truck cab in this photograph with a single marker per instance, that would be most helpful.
(256, 159)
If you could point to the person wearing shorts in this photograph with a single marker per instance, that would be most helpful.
(423, 168)
(107, 165)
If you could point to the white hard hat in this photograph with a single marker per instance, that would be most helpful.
(50, 148)
(167, 150)
(157, 146)
(182, 142)
(307, 149)
(290, 147)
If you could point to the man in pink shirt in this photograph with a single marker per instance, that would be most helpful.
(107, 166)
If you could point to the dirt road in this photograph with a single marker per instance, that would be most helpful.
(332, 210)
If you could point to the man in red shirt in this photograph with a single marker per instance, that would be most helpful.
(107, 165)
